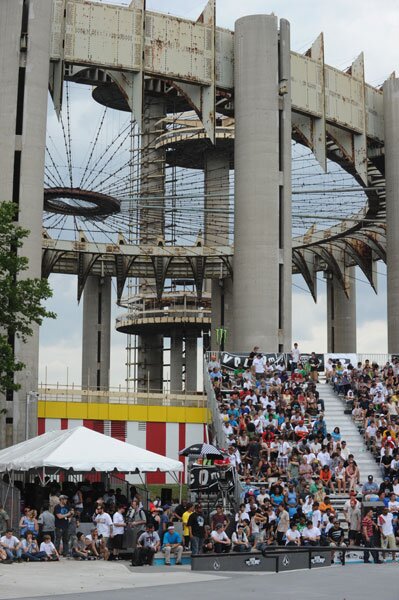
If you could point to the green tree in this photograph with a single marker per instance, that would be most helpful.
(20, 299)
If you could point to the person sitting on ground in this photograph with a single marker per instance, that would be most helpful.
(30, 549)
(148, 545)
(172, 544)
(96, 545)
(48, 547)
(221, 541)
(79, 550)
(240, 540)
(12, 546)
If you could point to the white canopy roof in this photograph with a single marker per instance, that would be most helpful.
(83, 449)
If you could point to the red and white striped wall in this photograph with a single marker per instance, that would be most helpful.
(163, 438)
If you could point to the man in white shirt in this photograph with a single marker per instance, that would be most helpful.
(118, 526)
(221, 541)
(104, 523)
(311, 534)
(295, 357)
(293, 537)
(385, 524)
(324, 457)
(258, 366)
(11, 545)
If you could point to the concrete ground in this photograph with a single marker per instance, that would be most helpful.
(71, 580)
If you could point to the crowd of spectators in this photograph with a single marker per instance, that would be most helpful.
(291, 463)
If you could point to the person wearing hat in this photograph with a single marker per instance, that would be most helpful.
(148, 545)
(172, 544)
(62, 515)
(370, 488)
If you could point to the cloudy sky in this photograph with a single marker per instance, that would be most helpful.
(349, 28)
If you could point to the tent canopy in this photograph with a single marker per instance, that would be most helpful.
(82, 449)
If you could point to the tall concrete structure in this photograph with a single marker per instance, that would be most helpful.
(216, 233)
(176, 361)
(96, 334)
(341, 313)
(262, 161)
(246, 79)
(25, 30)
(152, 189)
(391, 129)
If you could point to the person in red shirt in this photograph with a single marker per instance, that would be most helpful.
(370, 537)
(326, 477)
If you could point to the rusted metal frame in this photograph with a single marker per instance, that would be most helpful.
(334, 265)
(305, 261)
(198, 268)
(84, 267)
(373, 243)
(49, 260)
(122, 266)
(366, 266)
(161, 266)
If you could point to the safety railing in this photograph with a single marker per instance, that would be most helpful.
(72, 393)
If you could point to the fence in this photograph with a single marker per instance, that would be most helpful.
(10, 498)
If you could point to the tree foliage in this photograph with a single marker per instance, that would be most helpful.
(20, 298)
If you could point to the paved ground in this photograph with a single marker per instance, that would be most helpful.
(70, 580)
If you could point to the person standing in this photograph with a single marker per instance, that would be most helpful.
(314, 366)
(118, 527)
(103, 523)
(196, 526)
(4, 520)
(385, 524)
(283, 524)
(62, 514)
(370, 537)
(185, 517)
(46, 522)
(295, 357)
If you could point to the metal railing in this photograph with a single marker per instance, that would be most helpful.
(72, 393)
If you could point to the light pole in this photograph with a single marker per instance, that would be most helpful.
(30, 397)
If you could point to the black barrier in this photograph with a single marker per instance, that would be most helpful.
(235, 561)
(275, 560)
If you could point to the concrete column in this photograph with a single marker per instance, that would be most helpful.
(262, 236)
(391, 126)
(96, 335)
(341, 313)
(191, 363)
(23, 115)
(152, 187)
(217, 224)
(176, 362)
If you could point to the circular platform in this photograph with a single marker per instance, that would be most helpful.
(79, 203)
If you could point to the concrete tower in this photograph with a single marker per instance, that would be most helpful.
(24, 66)
(341, 314)
(262, 230)
(391, 124)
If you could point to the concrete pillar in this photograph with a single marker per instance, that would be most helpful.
(341, 313)
(216, 233)
(262, 236)
(96, 334)
(152, 187)
(391, 126)
(23, 115)
(191, 363)
(176, 362)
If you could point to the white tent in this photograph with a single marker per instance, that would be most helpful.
(82, 449)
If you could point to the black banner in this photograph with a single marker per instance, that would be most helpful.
(233, 361)
(210, 479)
